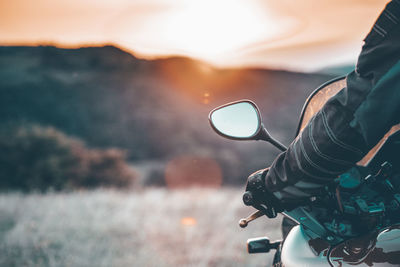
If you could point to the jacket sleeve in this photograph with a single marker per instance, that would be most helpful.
(351, 122)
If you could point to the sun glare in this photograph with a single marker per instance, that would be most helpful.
(207, 29)
(210, 28)
(265, 33)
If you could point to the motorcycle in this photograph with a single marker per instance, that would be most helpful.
(355, 221)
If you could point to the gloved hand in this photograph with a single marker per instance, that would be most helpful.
(258, 196)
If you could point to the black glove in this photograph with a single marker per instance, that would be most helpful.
(259, 197)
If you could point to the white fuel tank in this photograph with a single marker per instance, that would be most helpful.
(378, 249)
(296, 251)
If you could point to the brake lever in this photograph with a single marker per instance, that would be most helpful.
(244, 221)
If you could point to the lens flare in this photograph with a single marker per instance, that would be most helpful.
(188, 221)
(193, 171)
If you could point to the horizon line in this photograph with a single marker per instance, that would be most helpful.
(141, 56)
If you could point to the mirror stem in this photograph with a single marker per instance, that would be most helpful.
(278, 144)
(267, 137)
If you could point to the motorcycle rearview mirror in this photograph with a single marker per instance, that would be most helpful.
(241, 120)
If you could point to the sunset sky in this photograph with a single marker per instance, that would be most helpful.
(302, 35)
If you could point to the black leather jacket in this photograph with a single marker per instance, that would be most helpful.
(351, 122)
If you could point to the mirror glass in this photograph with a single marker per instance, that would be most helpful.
(237, 120)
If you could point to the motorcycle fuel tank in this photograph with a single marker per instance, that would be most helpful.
(375, 249)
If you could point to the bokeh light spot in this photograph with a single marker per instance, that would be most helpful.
(193, 171)
(188, 221)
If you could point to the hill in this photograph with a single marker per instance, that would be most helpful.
(156, 110)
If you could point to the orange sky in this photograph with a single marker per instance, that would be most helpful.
(294, 34)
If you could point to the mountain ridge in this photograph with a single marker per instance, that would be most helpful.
(153, 109)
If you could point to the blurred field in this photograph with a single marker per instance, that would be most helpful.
(153, 227)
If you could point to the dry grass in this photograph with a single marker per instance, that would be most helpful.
(139, 228)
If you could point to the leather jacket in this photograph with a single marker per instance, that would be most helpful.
(351, 122)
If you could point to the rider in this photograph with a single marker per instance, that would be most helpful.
(350, 123)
